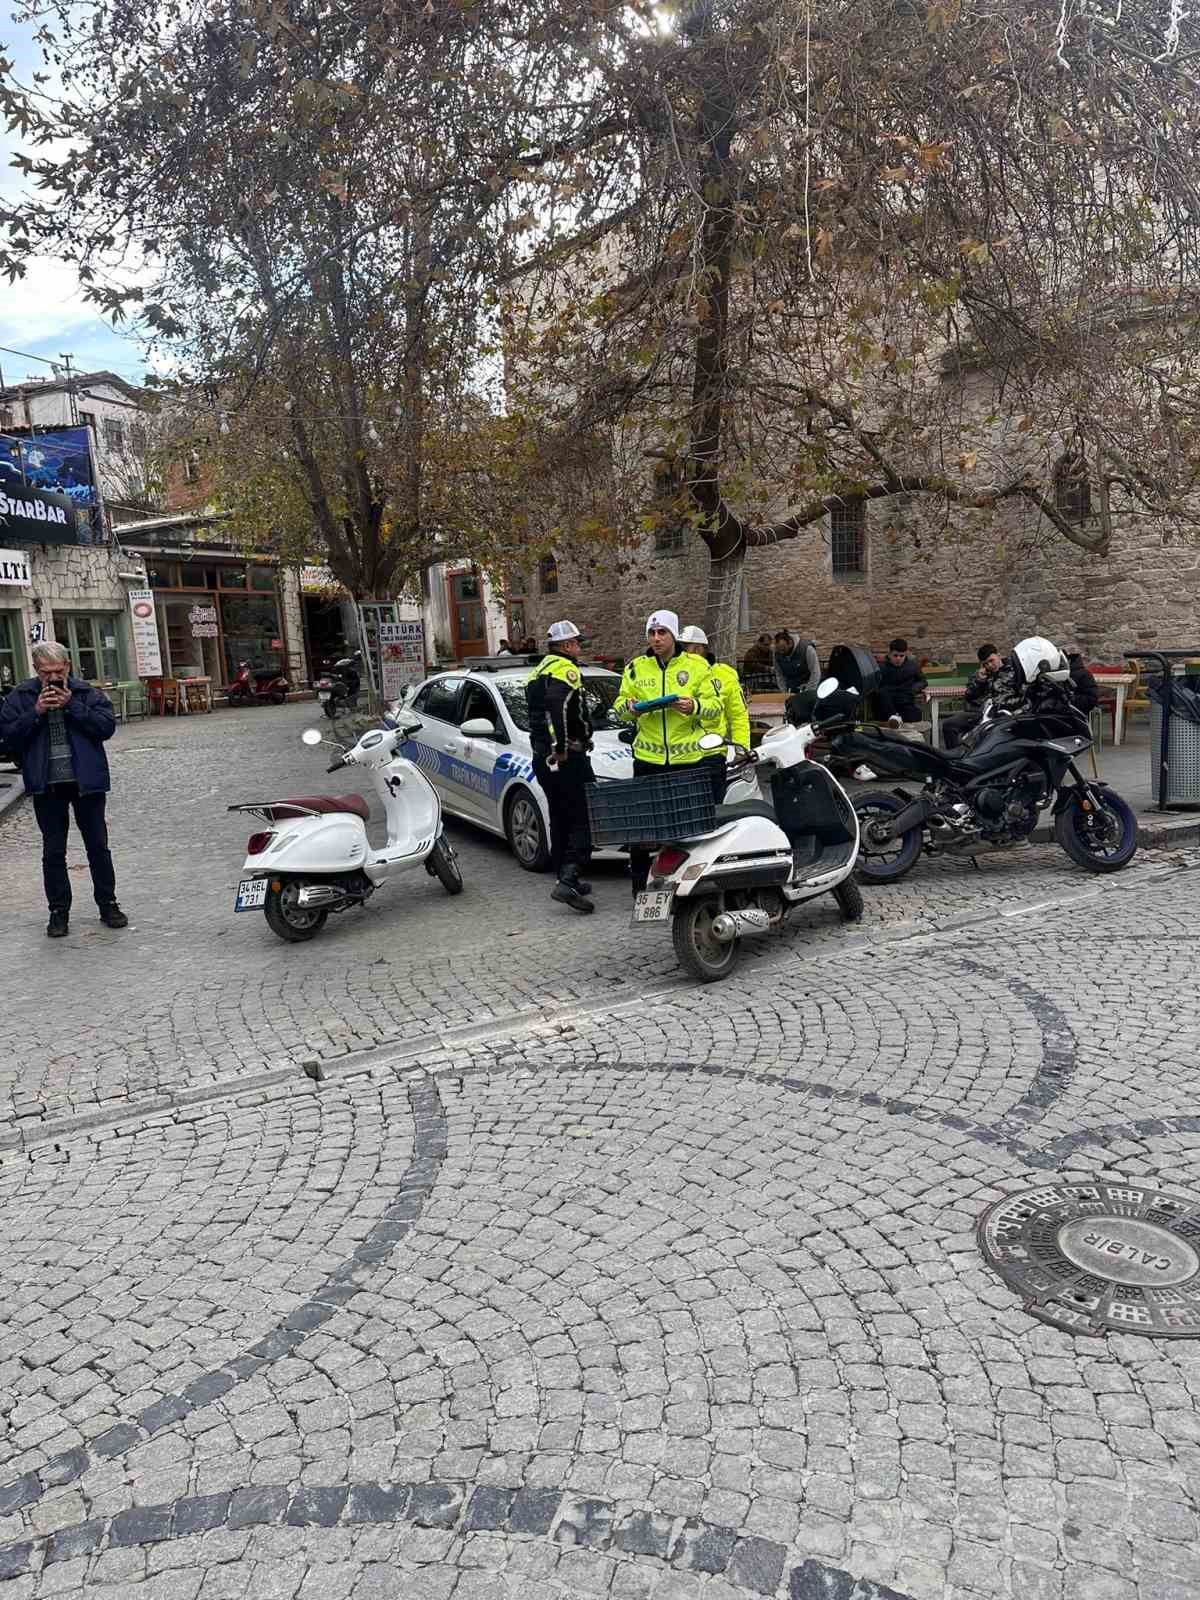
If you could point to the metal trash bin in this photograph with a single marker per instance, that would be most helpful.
(1174, 738)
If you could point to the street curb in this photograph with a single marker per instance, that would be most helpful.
(1155, 832)
(12, 792)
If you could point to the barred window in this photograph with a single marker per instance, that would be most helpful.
(1072, 487)
(548, 575)
(848, 537)
(670, 541)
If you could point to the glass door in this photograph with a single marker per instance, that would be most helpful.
(12, 656)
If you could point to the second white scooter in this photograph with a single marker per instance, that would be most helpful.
(316, 857)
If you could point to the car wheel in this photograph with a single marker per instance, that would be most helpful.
(526, 832)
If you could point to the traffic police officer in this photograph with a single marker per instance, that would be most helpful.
(561, 736)
(668, 737)
(735, 726)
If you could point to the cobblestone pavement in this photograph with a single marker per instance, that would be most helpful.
(555, 1275)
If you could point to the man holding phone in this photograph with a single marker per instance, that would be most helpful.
(57, 725)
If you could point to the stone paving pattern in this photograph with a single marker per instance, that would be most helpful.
(564, 1277)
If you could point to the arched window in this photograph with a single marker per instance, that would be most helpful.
(548, 575)
(1072, 486)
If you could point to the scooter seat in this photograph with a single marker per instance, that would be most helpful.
(738, 809)
(298, 805)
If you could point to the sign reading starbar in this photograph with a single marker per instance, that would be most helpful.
(14, 568)
(35, 516)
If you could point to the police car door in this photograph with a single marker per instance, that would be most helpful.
(476, 767)
(436, 748)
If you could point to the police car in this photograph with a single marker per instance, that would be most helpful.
(474, 748)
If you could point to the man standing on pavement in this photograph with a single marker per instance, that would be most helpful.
(561, 736)
(735, 719)
(668, 736)
(57, 725)
(797, 664)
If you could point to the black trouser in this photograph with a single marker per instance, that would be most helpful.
(954, 727)
(52, 809)
(897, 703)
(639, 860)
(565, 788)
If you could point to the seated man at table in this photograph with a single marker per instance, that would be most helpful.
(900, 682)
(975, 695)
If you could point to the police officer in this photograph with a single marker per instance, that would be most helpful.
(561, 736)
(735, 723)
(668, 737)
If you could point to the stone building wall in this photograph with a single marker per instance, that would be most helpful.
(72, 578)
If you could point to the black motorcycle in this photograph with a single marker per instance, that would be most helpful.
(337, 691)
(990, 792)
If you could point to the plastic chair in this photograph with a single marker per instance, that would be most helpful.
(137, 700)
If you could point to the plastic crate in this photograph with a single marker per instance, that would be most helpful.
(652, 810)
(1183, 759)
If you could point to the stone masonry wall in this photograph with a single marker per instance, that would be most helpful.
(72, 578)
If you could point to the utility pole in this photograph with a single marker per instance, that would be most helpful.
(72, 400)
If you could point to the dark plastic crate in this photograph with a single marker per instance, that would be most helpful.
(651, 810)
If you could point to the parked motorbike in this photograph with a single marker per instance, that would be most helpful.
(990, 792)
(766, 855)
(258, 685)
(315, 856)
(337, 691)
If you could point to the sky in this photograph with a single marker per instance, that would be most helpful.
(45, 313)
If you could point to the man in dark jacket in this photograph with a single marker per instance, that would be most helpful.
(900, 682)
(57, 726)
(561, 736)
(976, 695)
(797, 664)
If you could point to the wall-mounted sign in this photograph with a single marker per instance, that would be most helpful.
(204, 622)
(144, 624)
(37, 633)
(14, 568)
(318, 580)
(35, 516)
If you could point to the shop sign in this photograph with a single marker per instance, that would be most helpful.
(147, 656)
(317, 580)
(402, 649)
(37, 633)
(204, 622)
(14, 568)
(35, 516)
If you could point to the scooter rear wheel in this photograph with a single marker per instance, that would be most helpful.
(697, 948)
(287, 919)
(445, 865)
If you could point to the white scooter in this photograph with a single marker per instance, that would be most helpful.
(764, 857)
(317, 858)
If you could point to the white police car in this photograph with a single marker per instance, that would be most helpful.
(474, 748)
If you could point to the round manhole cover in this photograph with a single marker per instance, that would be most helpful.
(1101, 1257)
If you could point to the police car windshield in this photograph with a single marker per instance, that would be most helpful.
(601, 691)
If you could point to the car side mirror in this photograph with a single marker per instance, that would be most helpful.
(478, 728)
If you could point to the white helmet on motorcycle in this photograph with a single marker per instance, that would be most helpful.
(1040, 658)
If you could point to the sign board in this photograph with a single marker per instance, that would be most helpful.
(37, 633)
(204, 622)
(402, 650)
(36, 516)
(14, 568)
(318, 580)
(147, 655)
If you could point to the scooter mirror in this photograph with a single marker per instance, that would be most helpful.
(711, 741)
(826, 687)
(311, 736)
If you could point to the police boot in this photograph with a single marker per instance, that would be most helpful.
(570, 891)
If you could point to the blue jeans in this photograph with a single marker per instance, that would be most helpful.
(53, 810)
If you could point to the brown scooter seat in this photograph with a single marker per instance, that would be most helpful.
(299, 805)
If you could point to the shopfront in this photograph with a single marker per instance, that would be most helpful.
(214, 612)
(12, 654)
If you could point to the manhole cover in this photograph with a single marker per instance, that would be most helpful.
(1101, 1257)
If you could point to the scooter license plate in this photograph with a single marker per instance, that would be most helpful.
(251, 894)
(322, 695)
(653, 905)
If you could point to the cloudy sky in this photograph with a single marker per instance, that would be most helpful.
(44, 312)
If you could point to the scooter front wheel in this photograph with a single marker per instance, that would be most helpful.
(445, 864)
(290, 920)
(697, 947)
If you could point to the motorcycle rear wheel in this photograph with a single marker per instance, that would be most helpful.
(330, 708)
(445, 864)
(288, 920)
(898, 856)
(696, 948)
(1100, 844)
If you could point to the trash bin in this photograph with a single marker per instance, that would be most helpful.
(1175, 740)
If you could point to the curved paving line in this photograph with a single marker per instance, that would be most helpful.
(429, 1151)
(748, 1562)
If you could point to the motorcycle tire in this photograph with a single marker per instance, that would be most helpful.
(330, 708)
(445, 866)
(287, 920)
(238, 697)
(874, 803)
(1073, 829)
(279, 697)
(697, 951)
(849, 900)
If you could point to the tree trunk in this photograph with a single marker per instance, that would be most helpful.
(723, 604)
